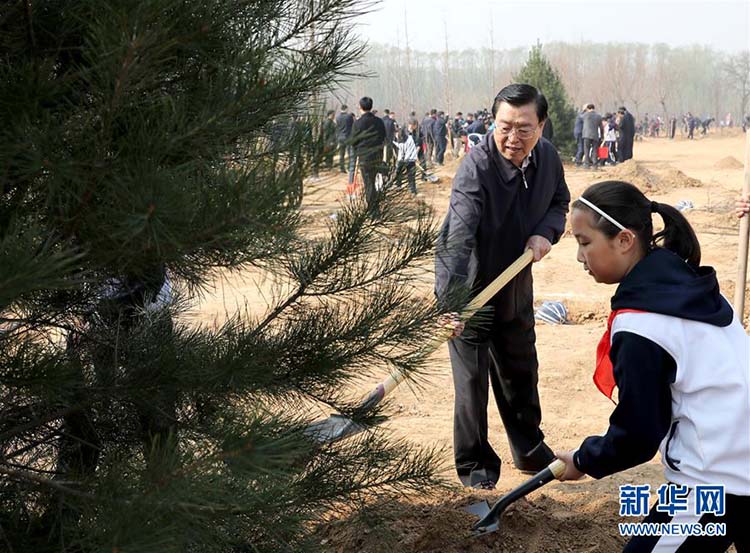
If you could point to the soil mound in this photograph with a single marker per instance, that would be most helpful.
(540, 526)
(649, 181)
(633, 172)
(674, 178)
(729, 162)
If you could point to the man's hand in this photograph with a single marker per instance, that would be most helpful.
(539, 245)
(571, 472)
(452, 322)
(742, 207)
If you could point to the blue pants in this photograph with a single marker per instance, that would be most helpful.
(579, 149)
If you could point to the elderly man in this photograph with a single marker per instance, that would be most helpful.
(508, 195)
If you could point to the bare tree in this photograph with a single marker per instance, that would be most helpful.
(637, 64)
(662, 76)
(653, 78)
(446, 70)
(409, 77)
(737, 70)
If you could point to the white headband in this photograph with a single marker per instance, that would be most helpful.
(600, 212)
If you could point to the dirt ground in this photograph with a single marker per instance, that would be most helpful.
(579, 516)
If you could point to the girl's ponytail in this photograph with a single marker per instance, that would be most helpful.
(677, 235)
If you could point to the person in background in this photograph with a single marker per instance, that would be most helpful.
(407, 156)
(592, 136)
(344, 124)
(457, 133)
(627, 134)
(390, 134)
(368, 139)
(548, 130)
(476, 125)
(330, 139)
(429, 142)
(578, 135)
(440, 135)
(610, 140)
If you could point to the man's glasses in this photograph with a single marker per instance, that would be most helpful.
(522, 133)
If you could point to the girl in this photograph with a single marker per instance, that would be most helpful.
(679, 358)
(407, 156)
(609, 140)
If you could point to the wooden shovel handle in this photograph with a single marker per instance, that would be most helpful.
(739, 288)
(496, 285)
(396, 377)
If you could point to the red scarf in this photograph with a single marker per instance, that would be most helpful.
(604, 375)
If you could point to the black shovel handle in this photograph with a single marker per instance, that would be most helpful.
(545, 476)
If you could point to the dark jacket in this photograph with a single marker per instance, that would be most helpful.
(329, 132)
(457, 127)
(390, 128)
(662, 283)
(417, 137)
(476, 126)
(439, 129)
(491, 216)
(426, 128)
(578, 127)
(627, 126)
(368, 138)
(548, 131)
(344, 123)
(592, 125)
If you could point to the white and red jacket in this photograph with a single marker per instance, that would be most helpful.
(681, 362)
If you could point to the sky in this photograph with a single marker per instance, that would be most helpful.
(723, 25)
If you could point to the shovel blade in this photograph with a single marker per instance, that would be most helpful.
(332, 429)
(481, 510)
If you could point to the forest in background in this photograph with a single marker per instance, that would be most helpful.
(647, 78)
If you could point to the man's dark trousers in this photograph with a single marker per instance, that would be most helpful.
(505, 355)
(579, 149)
(369, 172)
(441, 144)
(344, 148)
(408, 170)
(588, 152)
(430, 149)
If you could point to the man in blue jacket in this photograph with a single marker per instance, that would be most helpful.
(390, 134)
(344, 124)
(440, 136)
(509, 195)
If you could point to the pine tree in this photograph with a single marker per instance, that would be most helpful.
(538, 72)
(146, 145)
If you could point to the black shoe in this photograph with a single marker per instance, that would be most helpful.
(484, 485)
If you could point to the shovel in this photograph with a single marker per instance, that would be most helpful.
(489, 518)
(337, 427)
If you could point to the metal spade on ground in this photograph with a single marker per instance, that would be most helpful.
(337, 427)
(489, 517)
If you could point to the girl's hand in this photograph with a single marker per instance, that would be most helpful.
(453, 322)
(742, 207)
(571, 472)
